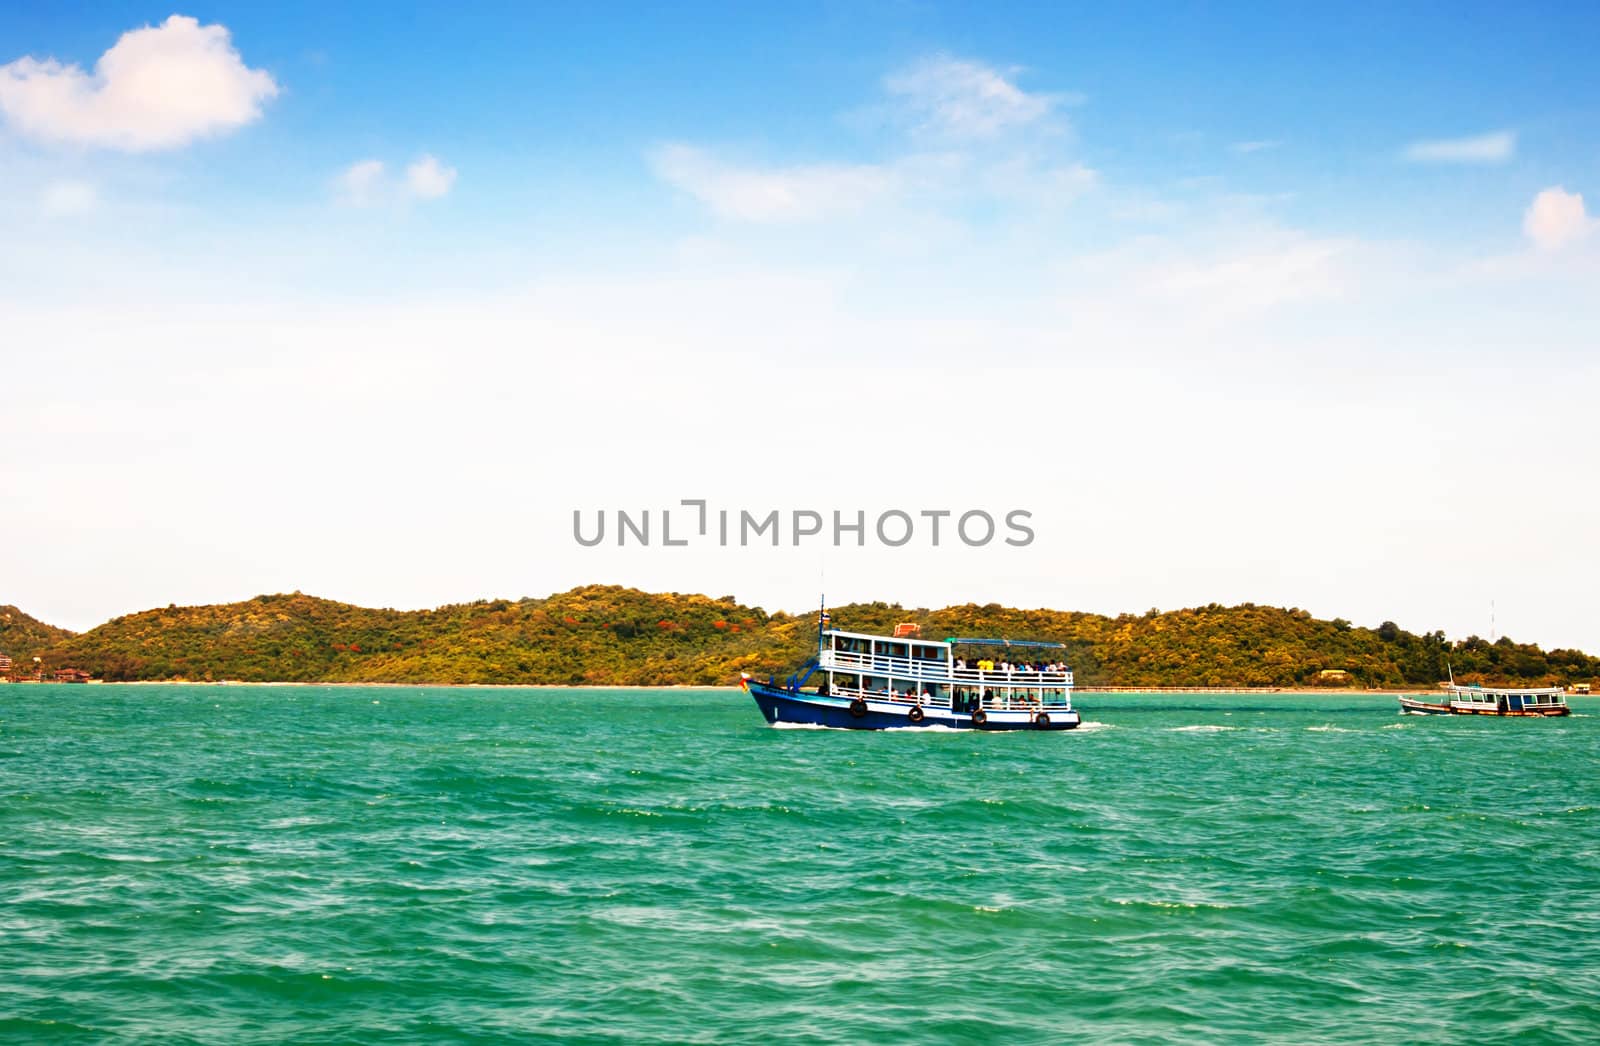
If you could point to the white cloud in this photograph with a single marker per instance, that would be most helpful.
(1255, 146)
(68, 198)
(1484, 148)
(777, 194)
(362, 183)
(428, 179)
(965, 99)
(963, 146)
(1556, 218)
(156, 88)
(367, 183)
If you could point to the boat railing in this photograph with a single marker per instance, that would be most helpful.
(993, 703)
(1029, 676)
(919, 668)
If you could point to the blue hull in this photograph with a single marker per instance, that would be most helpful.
(780, 705)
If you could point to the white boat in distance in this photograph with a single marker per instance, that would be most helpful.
(1544, 702)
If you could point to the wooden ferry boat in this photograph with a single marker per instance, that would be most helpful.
(866, 682)
(1498, 701)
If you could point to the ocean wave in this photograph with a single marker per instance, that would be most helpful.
(619, 870)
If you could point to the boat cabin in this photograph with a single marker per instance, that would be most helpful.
(906, 668)
(1500, 700)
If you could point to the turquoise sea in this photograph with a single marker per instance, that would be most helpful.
(404, 865)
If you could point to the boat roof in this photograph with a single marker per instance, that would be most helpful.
(950, 641)
(891, 639)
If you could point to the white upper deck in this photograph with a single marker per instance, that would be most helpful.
(929, 660)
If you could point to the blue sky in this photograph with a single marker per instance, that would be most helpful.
(1287, 290)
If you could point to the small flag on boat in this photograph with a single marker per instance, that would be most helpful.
(825, 616)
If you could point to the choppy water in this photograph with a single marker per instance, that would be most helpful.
(263, 865)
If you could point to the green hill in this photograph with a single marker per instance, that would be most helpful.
(22, 638)
(607, 635)
(591, 635)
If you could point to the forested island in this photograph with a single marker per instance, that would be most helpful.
(604, 635)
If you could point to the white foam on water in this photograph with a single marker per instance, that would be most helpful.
(1201, 728)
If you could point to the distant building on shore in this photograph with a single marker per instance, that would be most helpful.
(1333, 675)
(71, 675)
(5, 669)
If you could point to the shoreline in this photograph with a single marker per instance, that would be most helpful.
(1113, 691)
(435, 686)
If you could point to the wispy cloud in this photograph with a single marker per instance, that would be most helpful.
(1494, 147)
(158, 87)
(959, 98)
(367, 183)
(1021, 180)
(968, 134)
(361, 184)
(1557, 218)
(1255, 146)
(66, 199)
(428, 179)
(771, 194)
